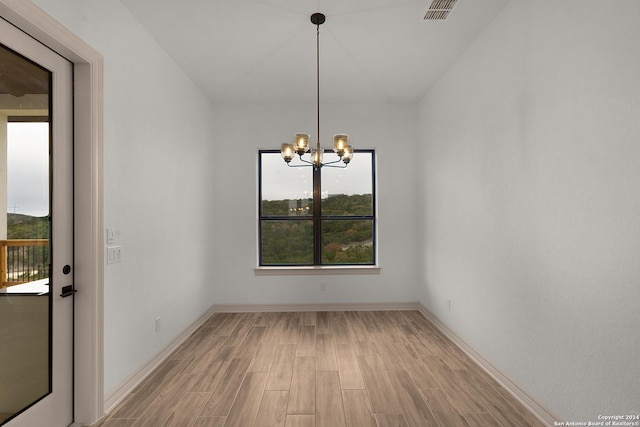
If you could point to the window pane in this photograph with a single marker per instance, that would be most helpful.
(348, 192)
(285, 191)
(347, 242)
(287, 242)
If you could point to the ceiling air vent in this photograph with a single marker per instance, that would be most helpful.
(439, 10)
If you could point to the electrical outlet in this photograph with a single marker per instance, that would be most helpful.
(158, 324)
(114, 254)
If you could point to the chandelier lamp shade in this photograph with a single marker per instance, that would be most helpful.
(301, 144)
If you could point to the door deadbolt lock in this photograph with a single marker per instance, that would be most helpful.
(66, 269)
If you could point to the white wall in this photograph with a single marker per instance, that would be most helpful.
(243, 129)
(530, 201)
(180, 185)
(159, 148)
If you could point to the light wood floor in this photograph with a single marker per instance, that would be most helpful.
(384, 368)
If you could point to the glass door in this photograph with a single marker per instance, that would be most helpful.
(36, 224)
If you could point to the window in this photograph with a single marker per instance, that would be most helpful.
(316, 217)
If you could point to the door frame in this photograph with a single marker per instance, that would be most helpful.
(88, 200)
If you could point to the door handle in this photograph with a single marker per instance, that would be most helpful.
(67, 291)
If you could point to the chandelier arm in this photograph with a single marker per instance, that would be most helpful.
(332, 165)
(306, 161)
(306, 165)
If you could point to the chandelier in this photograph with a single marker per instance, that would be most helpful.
(300, 144)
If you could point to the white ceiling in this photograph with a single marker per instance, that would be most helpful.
(264, 50)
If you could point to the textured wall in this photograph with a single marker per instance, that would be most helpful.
(530, 202)
(158, 156)
(389, 129)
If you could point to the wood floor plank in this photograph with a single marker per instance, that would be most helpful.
(355, 324)
(209, 422)
(330, 409)
(204, 354)
(302, 399)
(412, 363)
(412, 316)
(353, 368)
(225, 354)
(211, 375)
(340, 329)
(357, 409)
(247, 402)
(274, 323)
(361, 336)
(455, 359)
(480, 419)
(390, 420)
(263, 358)
(371, 321)
(504, 411)
(414, 408)
(457, 384)
(282, 368)
(309, 318)
(325, 353)
(290, 329)
(379, 386)
(364, 347)
(323, 323)
(161, 408)
(306, 341)
(264, 319)
(186, 350)
(273, 408)
(439, 404)
(300, 421)
(389, 320)
(138, 402)
(386, 351)
(186, 412)
(348, 368)
(225, 323)
(223, 395)
(119, 422)
(240, 331)
(251, 342)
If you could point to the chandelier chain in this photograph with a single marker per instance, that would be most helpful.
(318, 81)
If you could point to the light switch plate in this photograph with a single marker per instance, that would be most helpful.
(113, 236)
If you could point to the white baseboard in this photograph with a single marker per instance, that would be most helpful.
(116, 396)
(539, 411)
(253, 308)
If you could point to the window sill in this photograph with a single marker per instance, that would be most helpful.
(317, 270)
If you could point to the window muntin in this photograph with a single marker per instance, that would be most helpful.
(340, 232)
